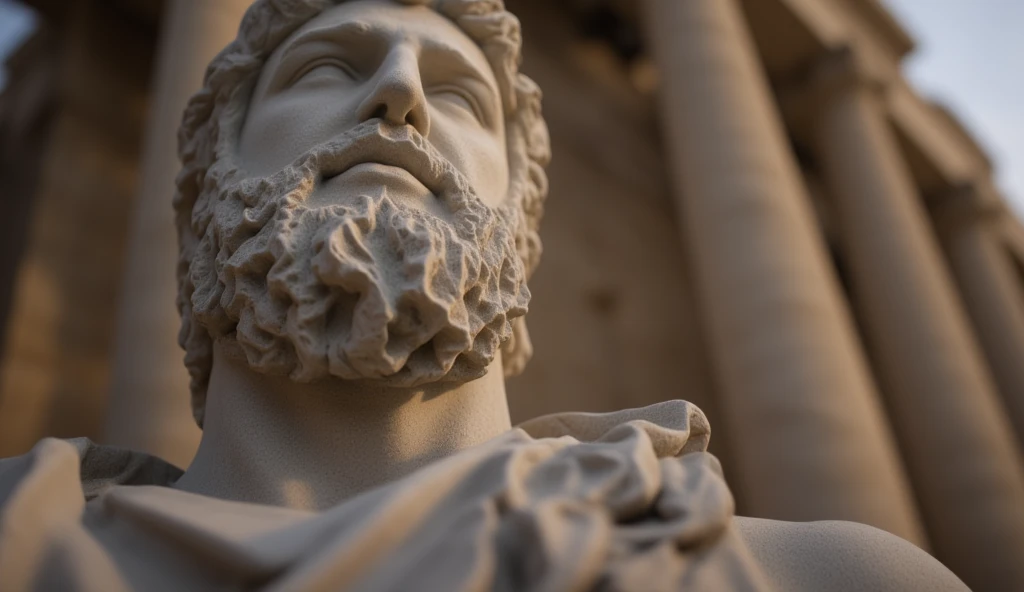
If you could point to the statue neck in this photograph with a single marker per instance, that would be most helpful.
(269, 440)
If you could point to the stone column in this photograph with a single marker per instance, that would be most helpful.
(957, 444)
(801, 412)
(991, 289)
(149, 406)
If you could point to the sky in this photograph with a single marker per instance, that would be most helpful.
(970, 56)
(15, 23)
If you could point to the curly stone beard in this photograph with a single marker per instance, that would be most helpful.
(368, 290)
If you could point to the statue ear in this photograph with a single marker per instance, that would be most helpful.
(518, 350)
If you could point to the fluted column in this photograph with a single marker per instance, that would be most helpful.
(956, 443)
(990, 287)
(808, 435)
(149, 405)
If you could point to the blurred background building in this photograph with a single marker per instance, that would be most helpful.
(750, 208)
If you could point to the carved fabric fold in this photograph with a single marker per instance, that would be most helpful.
(621, 501)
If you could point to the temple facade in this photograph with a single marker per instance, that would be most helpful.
(750, 208)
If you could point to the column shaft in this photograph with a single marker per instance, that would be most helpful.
(994, 300)
(149, 405)
(801, 411)
(957, 446)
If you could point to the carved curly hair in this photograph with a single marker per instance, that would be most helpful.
(214, 117)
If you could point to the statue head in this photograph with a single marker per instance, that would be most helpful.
(361, 189)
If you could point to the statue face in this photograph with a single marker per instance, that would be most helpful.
(364, 233)
(374, 59)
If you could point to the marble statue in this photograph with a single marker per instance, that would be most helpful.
(358, 216)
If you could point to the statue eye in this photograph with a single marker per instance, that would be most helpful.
(460, 98)
(325, 69)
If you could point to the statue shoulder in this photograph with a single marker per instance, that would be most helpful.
(16, 470)
(81, 466)
(840, 556)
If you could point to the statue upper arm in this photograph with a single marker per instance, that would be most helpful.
(840, 556)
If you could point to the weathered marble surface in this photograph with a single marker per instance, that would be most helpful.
(358, 209)
(620, 501)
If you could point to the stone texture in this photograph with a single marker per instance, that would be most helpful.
(146, 409)
(610, 333)
(643, 506)
(954, 436)
(607, 333)
(765, 288)
(990, 287)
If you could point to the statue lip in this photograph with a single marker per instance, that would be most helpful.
(387, 173)
(404, 148)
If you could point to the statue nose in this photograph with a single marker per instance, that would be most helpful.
(398, 96)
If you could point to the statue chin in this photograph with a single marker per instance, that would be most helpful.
(366, 288)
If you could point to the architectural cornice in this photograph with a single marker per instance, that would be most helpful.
(838, 70)
(882, 21)
(861, 41)
(834, 72)
(956, 126)
(1011, 233)
(937, 135)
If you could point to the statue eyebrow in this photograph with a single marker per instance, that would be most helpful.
(362, 29)
(332, 33)
(453, 55)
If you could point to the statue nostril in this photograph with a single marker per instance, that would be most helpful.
(381, 112)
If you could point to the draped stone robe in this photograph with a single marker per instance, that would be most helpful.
(622, 501)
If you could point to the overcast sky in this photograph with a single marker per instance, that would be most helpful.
(15, 23)
(970, 56)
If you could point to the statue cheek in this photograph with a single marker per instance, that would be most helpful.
(279, 130)
(479, 154)
(492, 174)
